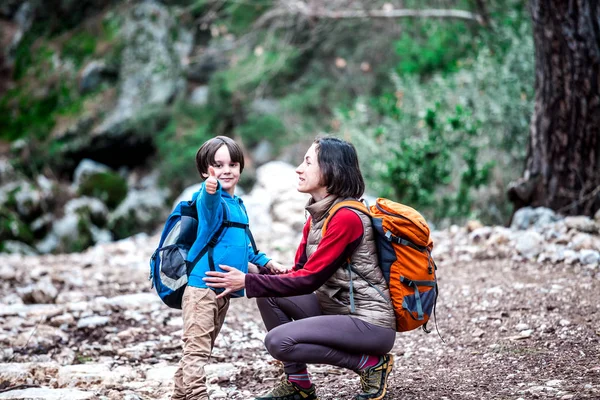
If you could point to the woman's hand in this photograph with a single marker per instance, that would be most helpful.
(278, 268)
(232, 280)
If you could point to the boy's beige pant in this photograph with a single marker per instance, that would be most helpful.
(203, 316)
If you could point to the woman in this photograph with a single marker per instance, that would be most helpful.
(307, 310)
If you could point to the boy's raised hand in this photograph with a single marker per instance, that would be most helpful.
(278, 268)
(211, 182)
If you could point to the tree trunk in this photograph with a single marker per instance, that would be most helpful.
(563, 162)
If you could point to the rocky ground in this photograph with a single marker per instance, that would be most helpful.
(517, 317)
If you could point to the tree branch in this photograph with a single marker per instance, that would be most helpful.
(581, 200)
(302, 9)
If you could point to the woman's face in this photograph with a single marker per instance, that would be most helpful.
(309, 174)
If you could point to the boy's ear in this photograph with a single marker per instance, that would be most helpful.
(204, 175)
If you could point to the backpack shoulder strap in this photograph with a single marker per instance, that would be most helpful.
(248, 232)
(212, 241)
(353, 204)
(216, 236)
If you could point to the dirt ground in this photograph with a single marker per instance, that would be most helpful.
(509, 330)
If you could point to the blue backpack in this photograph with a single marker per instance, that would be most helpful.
(169, 264)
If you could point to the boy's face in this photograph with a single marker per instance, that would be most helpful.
(226, 171)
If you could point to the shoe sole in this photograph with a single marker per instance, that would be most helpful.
(387, 373)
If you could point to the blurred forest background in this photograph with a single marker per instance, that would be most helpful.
(108, 101)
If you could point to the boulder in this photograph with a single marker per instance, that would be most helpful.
(528, 217)
(149, 75)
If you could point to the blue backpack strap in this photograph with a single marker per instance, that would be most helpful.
(210, 245)
(247, 228)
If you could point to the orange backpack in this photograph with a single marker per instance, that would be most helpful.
(404, 249)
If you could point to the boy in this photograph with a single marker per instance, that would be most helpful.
(220, 162)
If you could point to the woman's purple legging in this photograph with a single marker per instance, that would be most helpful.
(300, 335)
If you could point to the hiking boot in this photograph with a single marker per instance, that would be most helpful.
(287, 390)
(373, 380)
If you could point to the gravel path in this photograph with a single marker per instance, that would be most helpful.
(511, 329)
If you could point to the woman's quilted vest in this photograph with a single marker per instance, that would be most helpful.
(334, 295)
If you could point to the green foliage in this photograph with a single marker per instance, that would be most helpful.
(262, 127)
(12, 228)
(428, 46)
(416, 169)
(220, 109)
(436, 113)
(30, 52)
(28, 115)
(422, 165)
(125, 226)
(178, 143)
(109, 187)
(275, 62)
(239, 16)
(83, 239)
(436, 142)
(79, 47)
(45, 92)
(111, 25)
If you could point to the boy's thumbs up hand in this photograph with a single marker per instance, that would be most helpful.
(211, 182)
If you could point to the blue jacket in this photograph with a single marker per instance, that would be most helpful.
(233, 249)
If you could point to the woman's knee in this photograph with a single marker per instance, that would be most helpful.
(279, 344)
(264, 303)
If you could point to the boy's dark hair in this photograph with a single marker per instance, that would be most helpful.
(206, 153)
(340, 171)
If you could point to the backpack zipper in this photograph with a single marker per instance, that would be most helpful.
(400, 216)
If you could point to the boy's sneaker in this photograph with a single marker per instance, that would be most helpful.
(287, 390)
(373, 380)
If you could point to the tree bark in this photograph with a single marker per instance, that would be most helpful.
(563, 163)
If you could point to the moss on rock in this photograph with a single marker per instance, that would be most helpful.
(109, 187)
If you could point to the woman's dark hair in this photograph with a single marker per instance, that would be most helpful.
(206, 153)
(340, 171)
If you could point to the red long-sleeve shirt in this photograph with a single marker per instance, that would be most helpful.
(344, 234)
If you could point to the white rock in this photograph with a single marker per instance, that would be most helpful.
(588, 257)
(7, 272)
(496, 290)
(82, 375)
(47, 394)
(41, 335)
(15, 373)
(581, 223)
(529, 244)
(521, 327)
(31, 310)
(86, 168)
(199, 96)
(480, 234)
(43, 292)
(93, 321)
(161, 373)
(581, 241)
(221, 372)
(134, 301)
